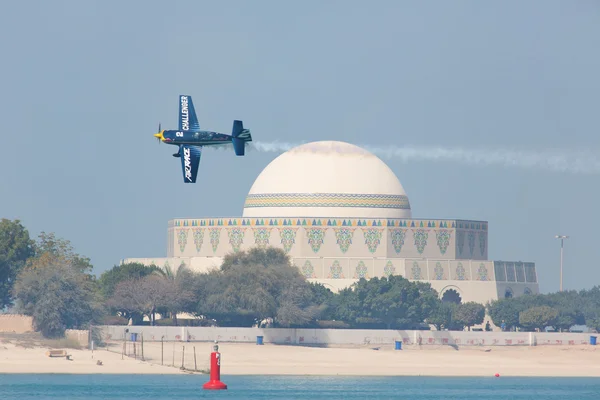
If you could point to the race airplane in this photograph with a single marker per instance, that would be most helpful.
(191, 139)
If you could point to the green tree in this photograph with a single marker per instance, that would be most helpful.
(469, 314)
(143, 296)
(181, 286)
(325, 299)
(590, 306)
(119, 273)
(505, 310)
(254, 285)
(570, 306)
(49, 247)
(395, 301)
(54, 289)
(538, 317)
(16, 247)
(442, 317)
(266, 257)
(58, 297)
(296, 305)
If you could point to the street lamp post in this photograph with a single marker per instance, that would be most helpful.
(562, 239)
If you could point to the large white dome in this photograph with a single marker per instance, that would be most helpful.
(327, 179)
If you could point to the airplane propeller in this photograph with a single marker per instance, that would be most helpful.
(157, 135)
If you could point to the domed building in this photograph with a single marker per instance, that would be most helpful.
(342, 214)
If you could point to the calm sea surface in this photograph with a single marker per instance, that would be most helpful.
(187, 387)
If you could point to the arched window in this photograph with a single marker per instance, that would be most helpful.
(508, 293)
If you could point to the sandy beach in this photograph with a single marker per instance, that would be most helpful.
(33, 360)
(250, 359)
(440, 361)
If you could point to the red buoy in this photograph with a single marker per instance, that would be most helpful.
(497, 375)
(215, 371)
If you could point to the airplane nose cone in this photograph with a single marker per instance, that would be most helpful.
(157, 135)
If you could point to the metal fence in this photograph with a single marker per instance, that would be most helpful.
(191, 357)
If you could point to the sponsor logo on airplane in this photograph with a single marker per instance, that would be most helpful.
(185, 118)
(188, 163)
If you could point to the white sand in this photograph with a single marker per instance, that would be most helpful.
(436, 361)
(250, 359)
(16, 359)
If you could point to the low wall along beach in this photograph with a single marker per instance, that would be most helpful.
(15, 323)
(342, 336)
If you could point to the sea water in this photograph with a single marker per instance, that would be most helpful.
(188, 387)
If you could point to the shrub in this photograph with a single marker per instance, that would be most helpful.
(115, 320)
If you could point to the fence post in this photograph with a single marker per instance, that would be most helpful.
(182, 357)
(195, 365)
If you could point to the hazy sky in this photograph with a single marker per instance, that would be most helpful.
(85, 83)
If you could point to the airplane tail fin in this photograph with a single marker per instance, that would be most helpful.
(239, 137)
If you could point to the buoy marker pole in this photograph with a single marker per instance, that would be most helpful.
(214, 382)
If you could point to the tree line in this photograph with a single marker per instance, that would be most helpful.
(559, 311)
(46, 279)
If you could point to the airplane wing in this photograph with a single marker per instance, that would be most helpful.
(187, 114)
(190, 159)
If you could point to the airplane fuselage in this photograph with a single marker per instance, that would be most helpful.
(198, 138)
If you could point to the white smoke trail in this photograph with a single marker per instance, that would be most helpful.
(548, 160)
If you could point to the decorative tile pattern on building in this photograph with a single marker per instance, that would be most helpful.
(288, 238)
(420, 236)
(416, 271)
(372, 238)
(315, 238)
(460, 272)
(182, 235)
(398, 236)
(482, 272)
(471, 241)
(361, 271)
(215, 235)
(390, 201)
(343, 237)
(482, 237)
(439, 271)
(460, 241)
(356, 222)
(443, 239)
(236, 238)
(336, 271)
(308, 270)
(389, 269)
(261, 236)
(198, 238)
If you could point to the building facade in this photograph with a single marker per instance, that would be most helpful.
(353, 221)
